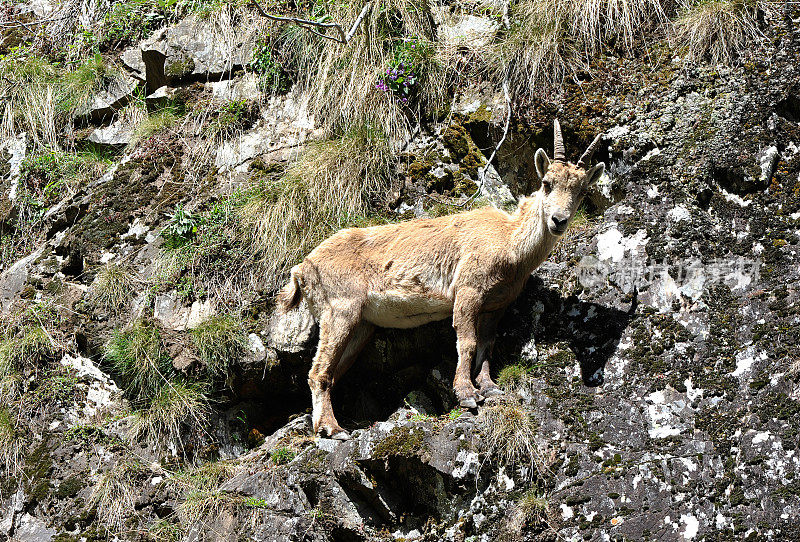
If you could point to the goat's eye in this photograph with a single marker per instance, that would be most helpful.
(547, 186)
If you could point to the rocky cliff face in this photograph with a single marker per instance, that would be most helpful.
(650, 365)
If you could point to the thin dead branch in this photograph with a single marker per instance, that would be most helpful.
(307, 24)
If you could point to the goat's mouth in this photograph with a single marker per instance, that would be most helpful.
(554, 230)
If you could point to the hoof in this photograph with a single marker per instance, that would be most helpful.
(468, 402)
(492, 392)
(341, 435)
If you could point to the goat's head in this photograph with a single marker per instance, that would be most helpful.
(564, 184)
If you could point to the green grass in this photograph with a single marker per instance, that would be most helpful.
(512, 377)
(27, 349)
(138, 355)
(219, 341)
(12, 443)
(282, 456)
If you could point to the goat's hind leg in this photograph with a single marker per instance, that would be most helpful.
(465, 322)
(335, 331)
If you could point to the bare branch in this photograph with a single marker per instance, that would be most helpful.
(307, 24)
(28, 25)
(482, 170)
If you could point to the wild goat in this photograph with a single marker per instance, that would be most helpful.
(470, 265)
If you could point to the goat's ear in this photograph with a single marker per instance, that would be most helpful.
(542, 163)
(594, 174)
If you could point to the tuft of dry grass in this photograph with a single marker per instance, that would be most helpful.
(549, 40)
(12, 444)
(334, 184)
(719, 30)
(510, 435)
(341, 78)
(113, 288)
(114, 495)
(199, 487)
(175, 405)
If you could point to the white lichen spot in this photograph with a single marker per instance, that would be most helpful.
(679, 213)
(612, 245)
(692, 526)
(566, 511)
(469, 464)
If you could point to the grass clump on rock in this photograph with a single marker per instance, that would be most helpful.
(219, 340)
(12, 445)
(510, 435)
(164, 402)
(719, 30)
(113, 288)
(139, 356)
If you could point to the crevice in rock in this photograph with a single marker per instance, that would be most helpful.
(789, 108)
(375, 503)
(736, 180)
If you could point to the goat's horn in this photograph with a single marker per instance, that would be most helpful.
(586, 157)
(558, 143)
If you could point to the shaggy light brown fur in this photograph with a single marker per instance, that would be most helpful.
(471, 265)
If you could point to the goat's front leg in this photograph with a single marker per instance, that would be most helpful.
(487, 333)
(465, 322)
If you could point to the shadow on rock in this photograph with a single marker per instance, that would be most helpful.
(542, 316)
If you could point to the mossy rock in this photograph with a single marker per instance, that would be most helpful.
(401, 441)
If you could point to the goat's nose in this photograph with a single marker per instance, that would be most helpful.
(560, 220)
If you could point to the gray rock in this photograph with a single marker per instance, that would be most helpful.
(188, 49)
(291, 331)
(105, 104)
(117, 135)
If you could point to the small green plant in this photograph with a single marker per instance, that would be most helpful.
(113, 288)
(139, 356)
(402, 74)
(455, 414)
(181, 228)
(281, 456)
(230, 118)
(252, 502)
(272, 78)
(219, 340)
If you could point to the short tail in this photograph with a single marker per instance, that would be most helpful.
(290, 295)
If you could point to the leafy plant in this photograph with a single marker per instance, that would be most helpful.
(181, 228)
(272, 78)
(281, 456)
(402, 74)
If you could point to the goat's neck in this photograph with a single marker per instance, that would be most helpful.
(531, 241)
